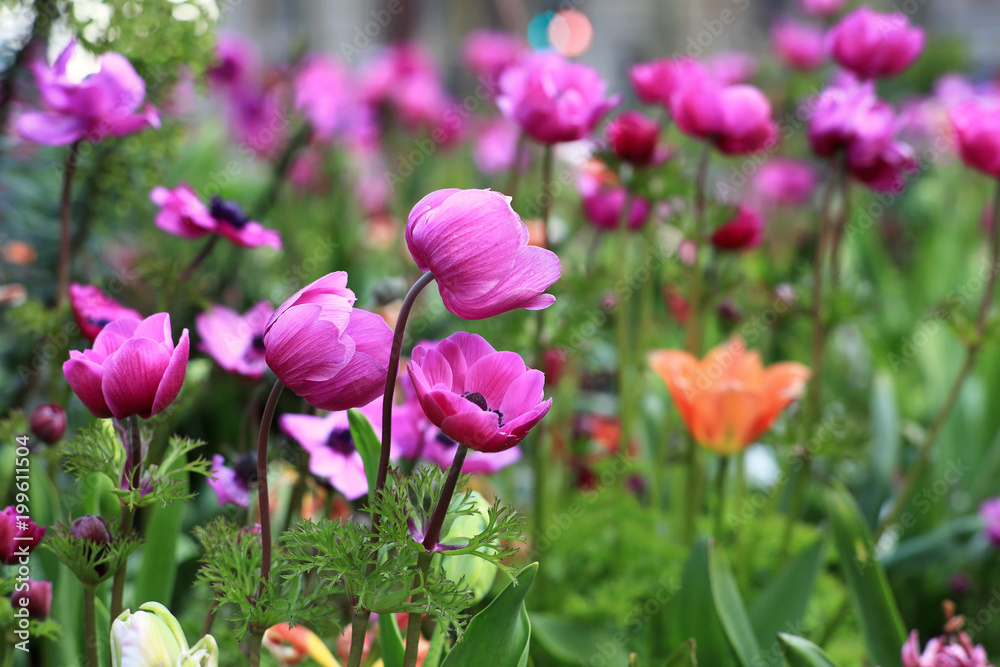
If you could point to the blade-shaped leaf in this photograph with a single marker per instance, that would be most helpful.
(874, 603)
(729, 607)
(367, 444)
(500, 634)
(158, 571)
(391, 641)
(782, 604)
(801, 652)
(569, 643)
(692, 612)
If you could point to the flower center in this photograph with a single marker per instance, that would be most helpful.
(228, 211)
(480, 400)
(340, 441)
(99, 322)
(246, 469)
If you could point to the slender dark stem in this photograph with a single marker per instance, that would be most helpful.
(263, 205)
(199, 259)
(213, 611)
(720, 493)
(838, 232)
(431, 538)
(133, 474)
(65, 205)
(514, 179)
(294, 510)
(390, 379)
(971, 354)
(263, 502)
(90, 625)
(359, 627)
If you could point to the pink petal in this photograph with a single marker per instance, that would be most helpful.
(476, 430)
(523, 395)
(309, 431)
(492, 375)
(50, 128)
(132, 377)
(85, 378)
(173, 376)
(113, 336)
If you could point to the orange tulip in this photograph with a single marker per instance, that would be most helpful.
(728, 399)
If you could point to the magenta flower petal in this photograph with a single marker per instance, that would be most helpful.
(93, 309)
(84, 378)
(473, 413)
(173, 376)
(228, 487)
(50, 128)
(135, 366)
(477, 247)
(492, 375)
(324, 350)
(132, 375)
(871, 44)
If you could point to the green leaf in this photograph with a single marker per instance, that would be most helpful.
(884, 448)
(692, 611)
(158, 571)
(500, 634)
(801, 652)
(569, 643)
(683, 655)
(729, 607)
(782, 604)
(391, 641)
(368, 445)
(873, 601)
(436, 650)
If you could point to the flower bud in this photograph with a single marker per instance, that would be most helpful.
(92, 528)
(633, 137)
(48, 422)
(36, 598)
(152, 637)
(17, 534)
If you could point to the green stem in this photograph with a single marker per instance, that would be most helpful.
(65, 204)
(90, 625)
(263, 501)
(134, 475)
(720, 497)
(693, 342)
(359, 628)
(622, 327)
(971, 354)
(199, 259)
(256, 638)
(514, 179)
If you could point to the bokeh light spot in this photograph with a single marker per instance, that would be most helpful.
(570, 32)
(538, 31)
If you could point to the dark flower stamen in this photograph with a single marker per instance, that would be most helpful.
(246, 469)
(340, 441)
(228, 211)
(480, 400)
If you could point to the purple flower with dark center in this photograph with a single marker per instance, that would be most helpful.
(232, 485)
(183, 214)
(236, 341)
(332, 452)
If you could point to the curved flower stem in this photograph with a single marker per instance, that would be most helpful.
(263, 502)
(971, 354)
(90, 625)
(133, 473)
(390, 379)
(65, 203)
(213, 611)
(202, 255)
(431, 538)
